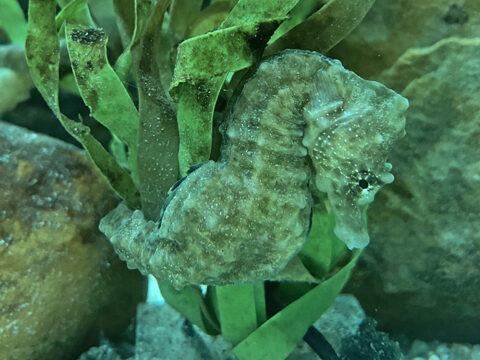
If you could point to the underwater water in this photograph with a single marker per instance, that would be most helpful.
(240, 180)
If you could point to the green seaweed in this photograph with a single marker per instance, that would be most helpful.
(43, 58)
(180, 68)
(202, 65)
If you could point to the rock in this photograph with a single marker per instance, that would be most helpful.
(370, 344)
(420, 350)
(15, 80)
(61, 283)
(341, 320)
(393, 26)
(421, 273)
(103, 352)
(351, 334)
(163, 334)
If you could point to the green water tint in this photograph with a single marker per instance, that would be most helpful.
(203, 63)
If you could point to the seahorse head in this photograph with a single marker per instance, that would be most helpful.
(352, 124)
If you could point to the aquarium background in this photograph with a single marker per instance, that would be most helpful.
(412, 293)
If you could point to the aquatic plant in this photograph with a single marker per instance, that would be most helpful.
(173, 129)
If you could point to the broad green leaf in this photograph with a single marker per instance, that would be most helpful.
(189, 302)
(247, 12)
(236, 311)
(209, 19)
(322, 247)
(158, 132)
(325, 28)
(43, 56)
(260, 302)
(280, 334)
(101, 89)
(202, 65)
(12, 21)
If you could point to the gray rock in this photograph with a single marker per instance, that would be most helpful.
(420, 275)
(352, 335)
(393, 26)
(341, 320)
(368, 343)
(103, 352)
(421, 350)
(163, 334)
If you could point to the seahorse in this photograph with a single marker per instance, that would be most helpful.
(301, 121)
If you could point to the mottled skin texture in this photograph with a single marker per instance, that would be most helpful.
(242, 218)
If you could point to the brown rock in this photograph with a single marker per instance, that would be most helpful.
(60, 281)
(393, 26)
(421, 274)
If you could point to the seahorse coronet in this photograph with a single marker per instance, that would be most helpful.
(300, 119)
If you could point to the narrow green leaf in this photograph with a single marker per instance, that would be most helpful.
(182, 14)
(101, 89)
(189, 302)
(297, 15)
(42, 50)
(125, 15)
(142, 12)
(279, 335)
(237, 311)
(43, 56)
(119, 180)
(12, 21)
(158, 133)
(75, 11)
(325, 28)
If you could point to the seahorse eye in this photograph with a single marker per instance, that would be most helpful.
(363, 183)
